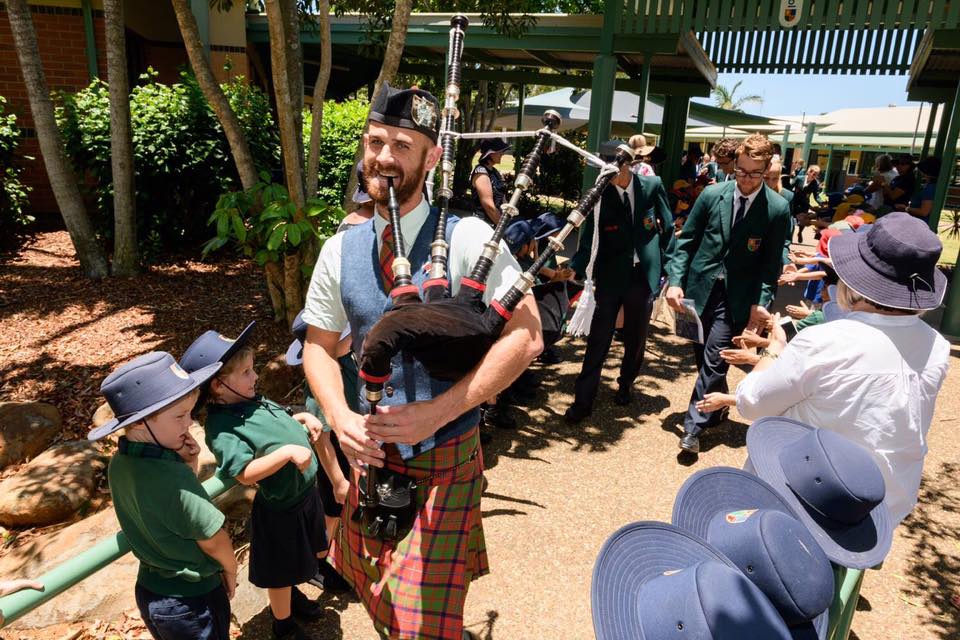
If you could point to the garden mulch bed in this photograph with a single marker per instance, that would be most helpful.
(555, 492)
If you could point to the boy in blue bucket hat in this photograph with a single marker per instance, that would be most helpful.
(188, 572)
(256, 441)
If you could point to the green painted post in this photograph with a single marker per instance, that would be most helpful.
(201, 11)
(522, 88)
(951, 112)
(807, 142)
(673, 131)
(602, 87)
(942, 131)
(784, 142)
(90, 38)
(81, 566)
(644, 92)
(826, 173)
(934, 107)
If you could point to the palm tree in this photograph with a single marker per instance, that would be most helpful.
(725, 98)
(64, 183)
(125, 256)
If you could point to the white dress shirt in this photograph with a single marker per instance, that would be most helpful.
(324, 306)
(870, 377)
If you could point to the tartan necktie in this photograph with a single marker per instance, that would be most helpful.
(386, 257)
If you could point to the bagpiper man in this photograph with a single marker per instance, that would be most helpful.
(414, 587)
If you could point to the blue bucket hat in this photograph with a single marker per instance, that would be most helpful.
(299, 331)
(653, 580)
(747, 520)
(144, 386)
(518, 234)
(833, 485)
(213, 347)
(546, 224)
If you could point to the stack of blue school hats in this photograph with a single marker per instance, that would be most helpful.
(748, 555)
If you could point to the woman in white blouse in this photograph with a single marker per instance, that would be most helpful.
(872, 376)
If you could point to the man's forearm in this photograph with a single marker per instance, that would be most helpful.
(323, 375)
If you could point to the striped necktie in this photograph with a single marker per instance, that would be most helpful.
(386, 257)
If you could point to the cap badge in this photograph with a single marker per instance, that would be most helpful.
(177, 371)
(424, 113)
(737, 517)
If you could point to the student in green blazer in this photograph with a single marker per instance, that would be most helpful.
(635, 228)
(727, 260)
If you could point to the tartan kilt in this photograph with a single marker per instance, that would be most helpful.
(417, 587)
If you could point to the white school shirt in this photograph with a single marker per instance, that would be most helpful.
(870, 377)
(324, 307)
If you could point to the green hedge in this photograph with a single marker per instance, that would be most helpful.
(13, 193)
(343, 125)
(181, 157)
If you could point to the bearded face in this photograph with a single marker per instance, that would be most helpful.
(399, 153)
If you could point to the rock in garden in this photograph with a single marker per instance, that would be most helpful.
(280, 382)
(26, 429)
(53, 486)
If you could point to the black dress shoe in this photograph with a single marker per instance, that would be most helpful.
(549, 356)
(499, 416)
(329, 580)
(303, 607)
(690, 443)
(623, 397)
(575, 413)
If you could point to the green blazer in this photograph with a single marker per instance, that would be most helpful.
(647, 230)
(749, 257)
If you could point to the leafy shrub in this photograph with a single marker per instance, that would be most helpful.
(343, 125)
(561, 173)
(181, 158)
(13, 194)
(262, 222)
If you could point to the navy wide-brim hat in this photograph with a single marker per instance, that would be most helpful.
(643, 552)
(546, 224)
(489, 146)
(413, 109)
(894, 264)
(213, 347)
(146, 385)
(857, 545)
(737, 493)
(299, 331)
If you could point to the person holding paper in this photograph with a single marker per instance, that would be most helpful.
(727, 260)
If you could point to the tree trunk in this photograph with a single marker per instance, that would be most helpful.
(62, 180)
(274, 276)
(388, 71)
(293, 299)
(214, 94)
(126, 259)
(286, 59)
(319, 91)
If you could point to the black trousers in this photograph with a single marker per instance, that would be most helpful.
(637, 303)
(718, 333)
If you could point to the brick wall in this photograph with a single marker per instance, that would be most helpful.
(62, 43)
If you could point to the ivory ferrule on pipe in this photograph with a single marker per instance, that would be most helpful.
(374, 395)
(401, 267)
(556, 242)
(576, 218)
(490, 251)
(524, 283)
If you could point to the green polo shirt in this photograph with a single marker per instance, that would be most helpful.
(238, 433)
(163, 510)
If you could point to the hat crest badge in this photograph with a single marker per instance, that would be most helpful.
(739, 517)
(423, 112)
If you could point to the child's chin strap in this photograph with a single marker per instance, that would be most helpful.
(232, 390)
(147, 425)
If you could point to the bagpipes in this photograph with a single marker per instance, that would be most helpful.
(450, 335)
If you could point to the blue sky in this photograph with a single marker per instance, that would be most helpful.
(793, 94)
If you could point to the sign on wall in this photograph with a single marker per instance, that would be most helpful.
(790, 11)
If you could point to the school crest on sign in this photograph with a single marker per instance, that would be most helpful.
(423, 112)
(753, 244)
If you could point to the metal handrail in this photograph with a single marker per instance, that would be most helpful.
(70, 572)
